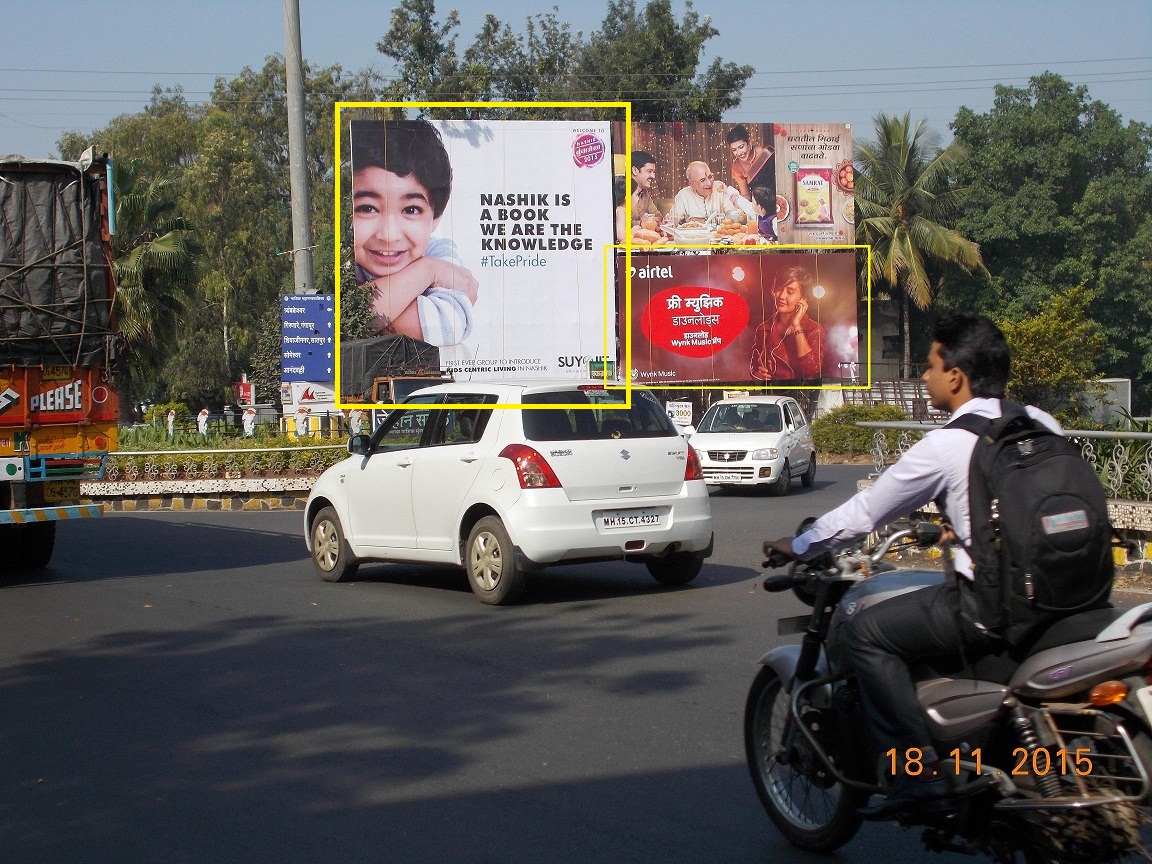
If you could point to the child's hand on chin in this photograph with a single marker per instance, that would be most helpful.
(448, 275)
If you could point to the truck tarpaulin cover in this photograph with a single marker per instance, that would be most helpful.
(362, 360)
(55, 284)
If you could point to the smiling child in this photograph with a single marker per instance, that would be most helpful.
(401, 183)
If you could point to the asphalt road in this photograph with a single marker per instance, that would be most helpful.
(183, 688)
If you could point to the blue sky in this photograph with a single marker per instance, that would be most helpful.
(69, 67)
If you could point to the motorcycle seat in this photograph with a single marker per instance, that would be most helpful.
(1082, 627)
(998, 668)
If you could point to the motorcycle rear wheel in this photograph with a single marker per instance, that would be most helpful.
(812, 812)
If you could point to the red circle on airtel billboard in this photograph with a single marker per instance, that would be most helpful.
(694, 321)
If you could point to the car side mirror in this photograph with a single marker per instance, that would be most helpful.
(360, 445)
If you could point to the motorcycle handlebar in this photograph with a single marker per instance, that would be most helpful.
(781, 582)
(776, 560)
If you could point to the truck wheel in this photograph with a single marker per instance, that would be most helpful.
(330, 553)
(34, 544)
(491, 565)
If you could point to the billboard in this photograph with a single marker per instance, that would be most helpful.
(746, 183)
(485, 240)
(766, 319)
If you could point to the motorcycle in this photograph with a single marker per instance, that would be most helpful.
(1049, 746)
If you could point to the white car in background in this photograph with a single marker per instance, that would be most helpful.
(756, 441)
(507, 492)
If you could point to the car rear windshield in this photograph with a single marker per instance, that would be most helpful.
(610, 419)
(742, 417)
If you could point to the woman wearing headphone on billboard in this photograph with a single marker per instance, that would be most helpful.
(789, 346)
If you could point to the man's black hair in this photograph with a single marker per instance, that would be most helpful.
(407, 148)
(739, 132)
(640, 158)
(974, 344)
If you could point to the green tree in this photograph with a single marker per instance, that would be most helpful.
(649, 58)
(644, 56)
(153, 264)
(427, 65)
(196, 373)
(1055, 352)
(241, 225)
(1060, 195)
(266, 357)
(905, 207)
(159, 141)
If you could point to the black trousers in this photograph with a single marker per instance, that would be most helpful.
(883, 638)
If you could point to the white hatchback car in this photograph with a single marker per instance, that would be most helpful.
(756, 441)
(505, 492)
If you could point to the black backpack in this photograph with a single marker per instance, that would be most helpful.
(1041, 540)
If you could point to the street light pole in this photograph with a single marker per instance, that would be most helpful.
(297, 149)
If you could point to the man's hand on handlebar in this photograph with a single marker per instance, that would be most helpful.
(778, 552)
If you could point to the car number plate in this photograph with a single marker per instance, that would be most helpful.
(629, 519)
(725, 477)
(57, 491)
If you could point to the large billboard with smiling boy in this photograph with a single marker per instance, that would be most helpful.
(484, 239)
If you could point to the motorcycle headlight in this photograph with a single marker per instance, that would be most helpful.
(766, 453)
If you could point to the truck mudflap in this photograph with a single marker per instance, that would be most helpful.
(50, 514)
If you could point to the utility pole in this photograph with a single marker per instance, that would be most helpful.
(297, 148)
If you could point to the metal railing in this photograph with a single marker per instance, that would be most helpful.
(1124, 466)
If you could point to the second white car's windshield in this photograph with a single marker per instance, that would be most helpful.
(746, 417)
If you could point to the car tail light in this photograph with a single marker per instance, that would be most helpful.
(531, 469)
(692, 469)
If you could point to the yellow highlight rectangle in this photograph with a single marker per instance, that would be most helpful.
(626, 107)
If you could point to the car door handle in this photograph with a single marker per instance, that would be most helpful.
(469, 457)
(407, 463)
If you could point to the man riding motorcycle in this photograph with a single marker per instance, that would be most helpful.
(968, 369)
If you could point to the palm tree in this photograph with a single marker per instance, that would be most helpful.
(154, 267)
(904, 206)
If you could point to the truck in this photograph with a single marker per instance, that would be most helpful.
(384, 370)
(58, 406)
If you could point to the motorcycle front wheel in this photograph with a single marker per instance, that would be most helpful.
(807, 805)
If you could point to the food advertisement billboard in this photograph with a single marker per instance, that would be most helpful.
(742, 184)
(485, 239)
(771, 319)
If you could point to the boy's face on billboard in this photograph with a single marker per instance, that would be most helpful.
(392, 220)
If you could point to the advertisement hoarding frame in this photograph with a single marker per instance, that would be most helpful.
(626, 107)
(609, 264)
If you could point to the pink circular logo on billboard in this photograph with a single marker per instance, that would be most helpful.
(587, 150)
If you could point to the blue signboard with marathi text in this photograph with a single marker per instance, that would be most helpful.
(308, 337)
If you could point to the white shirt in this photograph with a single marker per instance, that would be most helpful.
(688, 205)
(933, 469)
